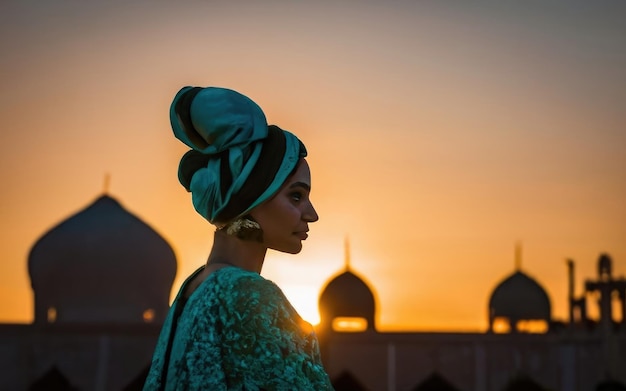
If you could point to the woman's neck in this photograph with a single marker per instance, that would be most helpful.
(230, 250)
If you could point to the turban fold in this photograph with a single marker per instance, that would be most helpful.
(237, 161)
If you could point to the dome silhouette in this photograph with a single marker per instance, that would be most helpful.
(347, 295)
(101, 265)
(519, 297)
(605, 266)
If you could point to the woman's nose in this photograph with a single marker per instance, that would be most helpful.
(310, 214)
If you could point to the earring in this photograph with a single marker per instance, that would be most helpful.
(244, 228)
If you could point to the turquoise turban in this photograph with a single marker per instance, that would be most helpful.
(236, 160)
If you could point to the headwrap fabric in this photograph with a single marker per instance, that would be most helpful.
(237, 161)
(211, 120)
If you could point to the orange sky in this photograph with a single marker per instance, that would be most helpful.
(439, 135)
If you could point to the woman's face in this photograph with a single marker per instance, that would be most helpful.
(285, 217)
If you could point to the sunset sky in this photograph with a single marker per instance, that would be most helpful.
(440, 134)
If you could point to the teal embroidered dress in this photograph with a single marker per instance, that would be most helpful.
(237, 331)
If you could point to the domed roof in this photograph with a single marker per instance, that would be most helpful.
(519, 297)
(347, 295)
(605, 265)
(102, 264)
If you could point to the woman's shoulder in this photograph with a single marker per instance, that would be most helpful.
(228, 282)
(243, 282)
(224, 278)
(231, 290)
(230, 272)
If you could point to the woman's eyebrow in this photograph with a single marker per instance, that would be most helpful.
(300, 184)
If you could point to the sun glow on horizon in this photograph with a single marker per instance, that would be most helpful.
(304, 300)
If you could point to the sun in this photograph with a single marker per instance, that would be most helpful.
(304, 300)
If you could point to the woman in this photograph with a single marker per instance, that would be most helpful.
(229, 328)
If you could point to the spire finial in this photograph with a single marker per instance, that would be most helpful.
(518, 255)
(107, 182)
(346, 247)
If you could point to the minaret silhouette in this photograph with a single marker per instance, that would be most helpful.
(518, 256)
(107, 183)
(346, 252)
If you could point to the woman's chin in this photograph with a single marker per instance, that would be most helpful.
(294, 249)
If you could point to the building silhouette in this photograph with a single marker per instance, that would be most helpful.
(102, 279)
(523, 349)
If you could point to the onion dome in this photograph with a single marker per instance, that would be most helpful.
(101, 265)
(605, 265)
(519, 297)
(347, 296)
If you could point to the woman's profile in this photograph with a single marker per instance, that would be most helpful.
(229, 328)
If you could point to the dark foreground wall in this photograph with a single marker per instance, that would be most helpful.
(86, 358)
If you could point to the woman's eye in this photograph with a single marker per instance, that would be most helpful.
(296, 196)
